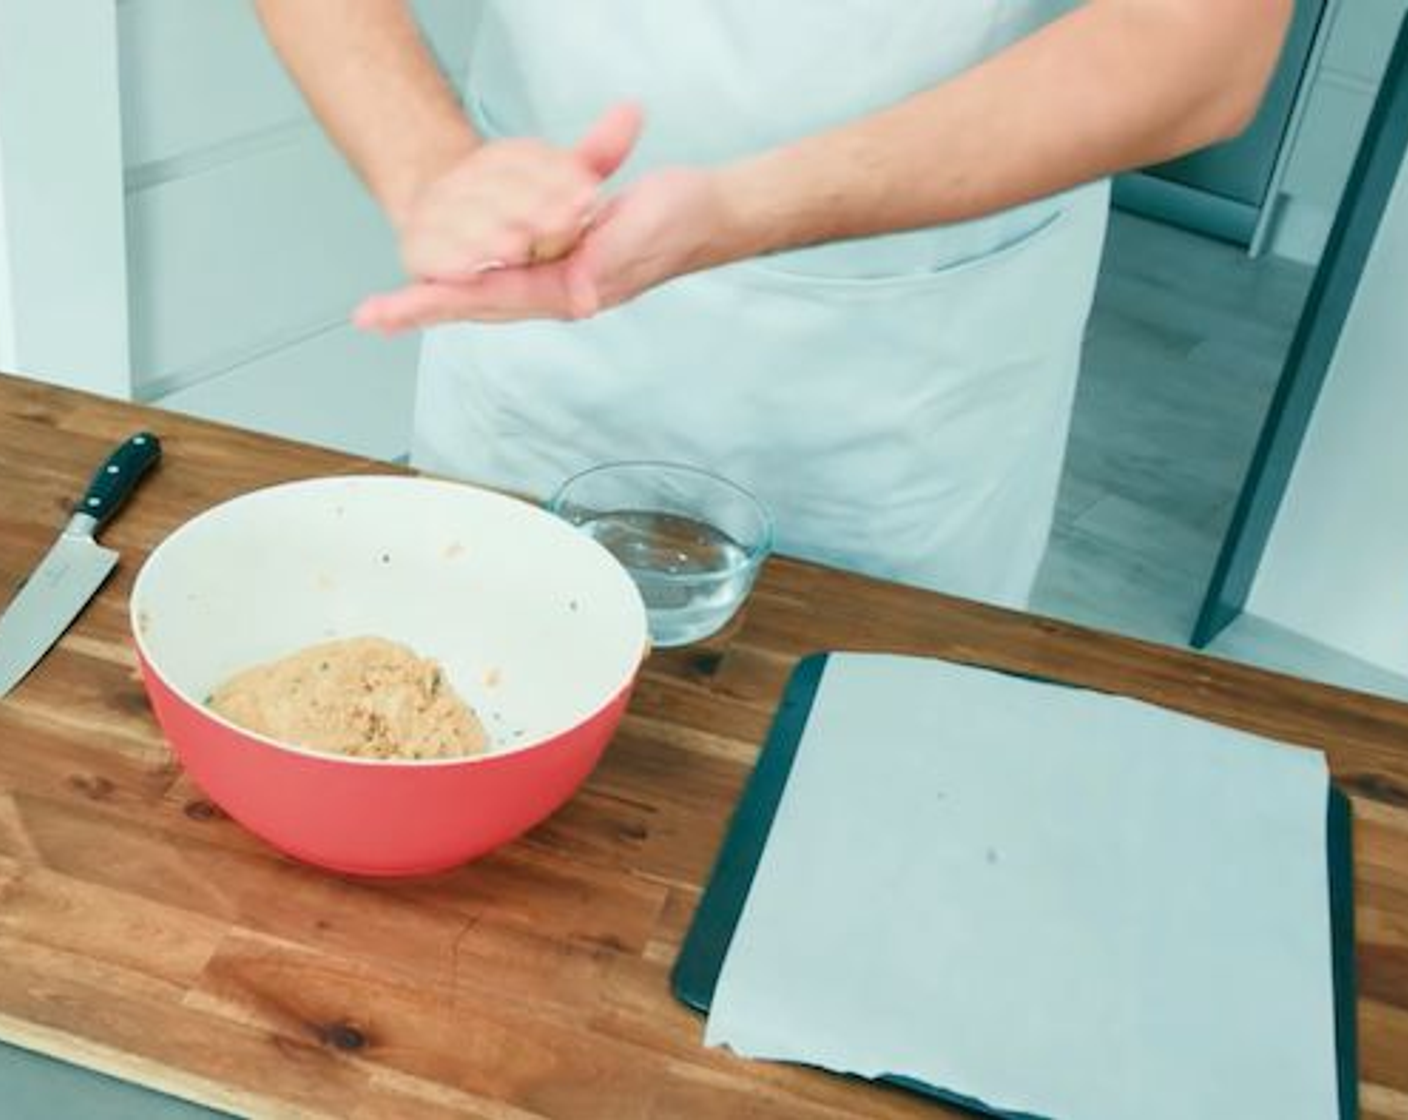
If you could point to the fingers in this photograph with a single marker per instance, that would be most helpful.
(507, 198)
(463, 252)
(513, 202)
(608, 142)
(396, 311)
(583, 297)
(545, 292)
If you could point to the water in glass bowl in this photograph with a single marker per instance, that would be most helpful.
(691, 575)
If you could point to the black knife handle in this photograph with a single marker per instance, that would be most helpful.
(118, 476)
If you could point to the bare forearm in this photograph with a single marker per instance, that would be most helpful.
(375, 87)
(1114, 85)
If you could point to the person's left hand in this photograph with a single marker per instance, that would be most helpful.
(666, 224)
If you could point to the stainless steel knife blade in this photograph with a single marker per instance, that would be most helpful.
(51, 598)
(74, 568)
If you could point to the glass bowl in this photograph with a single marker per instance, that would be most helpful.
(691, 540)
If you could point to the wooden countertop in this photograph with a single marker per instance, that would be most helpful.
(143, 934)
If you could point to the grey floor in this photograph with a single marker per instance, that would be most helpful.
(1185, 345)
(33, 1087)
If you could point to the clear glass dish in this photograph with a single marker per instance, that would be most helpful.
(691, 540)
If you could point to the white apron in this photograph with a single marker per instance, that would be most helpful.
(900, 403)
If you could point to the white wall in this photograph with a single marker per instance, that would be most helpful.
(249, 239)
(62, 266)
(1343, 81)
(175, 228)
(1336, 565)
(7, 315)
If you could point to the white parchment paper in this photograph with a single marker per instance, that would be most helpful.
(1054, 901)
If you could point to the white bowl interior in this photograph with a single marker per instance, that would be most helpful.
(536, 625)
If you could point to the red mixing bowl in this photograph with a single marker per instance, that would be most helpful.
(536, 626)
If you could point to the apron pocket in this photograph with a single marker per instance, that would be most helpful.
(915, 256)
(920, 414)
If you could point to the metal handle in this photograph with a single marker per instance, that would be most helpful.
(115, 480)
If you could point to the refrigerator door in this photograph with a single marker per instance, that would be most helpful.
(1220, 190)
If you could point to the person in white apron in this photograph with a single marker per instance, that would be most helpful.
(900, 402)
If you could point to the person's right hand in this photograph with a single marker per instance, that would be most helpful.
(512, 202)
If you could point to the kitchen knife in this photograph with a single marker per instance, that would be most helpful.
(75, 566)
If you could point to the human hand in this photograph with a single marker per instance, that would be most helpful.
(512, 202)
(668, 223)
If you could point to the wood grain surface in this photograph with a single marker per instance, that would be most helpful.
(144, 934)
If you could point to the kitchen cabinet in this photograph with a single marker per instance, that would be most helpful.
(1225, 190)
(1313, 574)
(1278, 185)
(1335, 104)
(175, 228)
(1335, 566)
